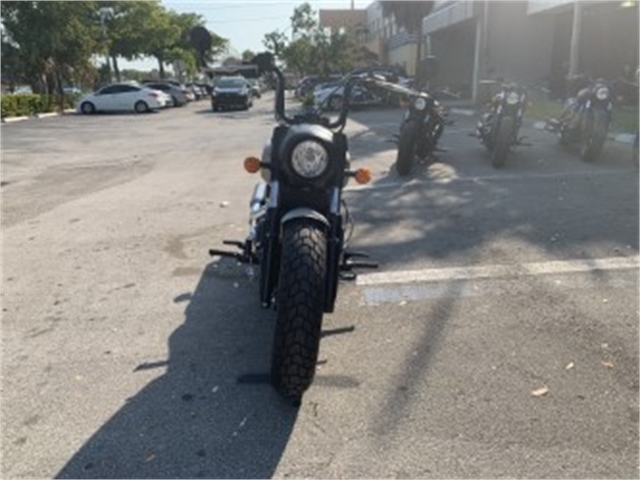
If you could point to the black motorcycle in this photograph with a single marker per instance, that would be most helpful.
(420, 131)
(584, 122)
(498, 129)
(299, 230)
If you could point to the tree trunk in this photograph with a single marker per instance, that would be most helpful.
(114, 59)
(160, 65)
(50, 82)
(60, 89)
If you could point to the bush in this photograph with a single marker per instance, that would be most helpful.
(16, 105)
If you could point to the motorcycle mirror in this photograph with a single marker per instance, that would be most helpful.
(264, 61)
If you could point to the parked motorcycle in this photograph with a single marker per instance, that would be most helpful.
(420, 131)
(498, 129)
(584, 122)
(299, 231)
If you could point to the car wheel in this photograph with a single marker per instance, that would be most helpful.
(87, 108)
(141, 107)
(175, 101)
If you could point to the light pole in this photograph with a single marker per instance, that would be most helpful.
(106, 13)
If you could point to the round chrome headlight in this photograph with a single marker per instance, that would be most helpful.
(513, 98)
(602, 93)
(309, 159)
(419, 103)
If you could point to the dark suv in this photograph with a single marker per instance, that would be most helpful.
(231, 92)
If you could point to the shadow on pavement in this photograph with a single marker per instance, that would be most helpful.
(207, 416)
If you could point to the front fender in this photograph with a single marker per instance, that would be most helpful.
(306, 213)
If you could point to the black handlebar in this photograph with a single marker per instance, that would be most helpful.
(280, 104)
(280, 113)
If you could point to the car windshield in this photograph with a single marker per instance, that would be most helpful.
(231, 83)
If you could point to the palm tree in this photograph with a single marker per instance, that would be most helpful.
(409, 15)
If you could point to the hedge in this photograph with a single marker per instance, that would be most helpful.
(28, 104)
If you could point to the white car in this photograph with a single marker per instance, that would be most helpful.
(123, 97)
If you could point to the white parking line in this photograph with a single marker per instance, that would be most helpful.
(498, 271)
(482, 178)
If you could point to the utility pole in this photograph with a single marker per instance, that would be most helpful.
(574, 51)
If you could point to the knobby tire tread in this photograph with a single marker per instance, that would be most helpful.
(300, 305)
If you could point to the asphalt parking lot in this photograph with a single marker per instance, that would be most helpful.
(499, 337)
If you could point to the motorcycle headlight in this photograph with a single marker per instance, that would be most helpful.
(512, 98)
(602, 93)
(419, 103)
(309, 159)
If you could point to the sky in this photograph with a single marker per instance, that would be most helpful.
(243, 23)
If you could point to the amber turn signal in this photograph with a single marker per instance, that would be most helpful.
(363, 175)
(252, 164)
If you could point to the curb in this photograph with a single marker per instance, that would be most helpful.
(14, 119)
(47, 115)
(38, 115)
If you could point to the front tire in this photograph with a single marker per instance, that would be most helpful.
(406, 148)
(593, 136)
(502, 142)
(300, 305)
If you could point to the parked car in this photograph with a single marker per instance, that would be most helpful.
(330, 96)
(198, 92)
(123, 97)
(188, 94)
(71, 90)
(309, 83)
(254, 87)
(22, 89)
(178, 98)
(231, 92)
(205, 87)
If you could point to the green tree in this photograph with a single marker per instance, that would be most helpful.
(314, 49)
(299, 56)
(409, 15)
(125, 30)
(54, 40)
(275, 42)
(247, 55)
(160, 35)
(303, 20)
(167, 39)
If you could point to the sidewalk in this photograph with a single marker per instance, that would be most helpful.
(467, 108)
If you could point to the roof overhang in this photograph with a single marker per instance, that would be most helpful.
(548, 6)
(450, 15)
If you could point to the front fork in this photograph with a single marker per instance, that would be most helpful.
(262, 246)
